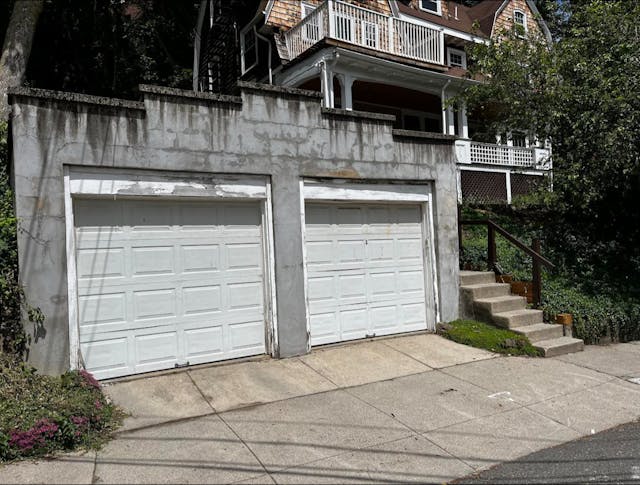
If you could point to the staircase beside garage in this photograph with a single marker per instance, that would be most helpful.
(485, 300)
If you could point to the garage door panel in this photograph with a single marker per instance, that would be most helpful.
(246, 335)
(152, 260)
(154, 304)
(382, 284)
(244, 256)
(91, 215)
(197, 258)
(365, 264)
(354, 323)
(106, 263)
(352, 286)
(175, 292)
(384, 317)
(380, 250)
(156, 348)
(105, 308)
(199, 300)
(326, 327)
(107, 357)
(321, 288)
(202, 344)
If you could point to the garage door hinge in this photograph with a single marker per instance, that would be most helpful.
(370, 335)
(178, 366)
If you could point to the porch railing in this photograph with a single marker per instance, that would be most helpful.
(490, 154)
(537, 260)
(362, 27)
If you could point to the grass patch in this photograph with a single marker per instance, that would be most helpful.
(43, 414)
(488, 337)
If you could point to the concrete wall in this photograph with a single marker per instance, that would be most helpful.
(282, 133)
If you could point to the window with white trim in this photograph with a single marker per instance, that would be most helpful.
(520, 22)
(248, 49)
(370, 34)
(456, 58)
(306, 9)
(432, 6)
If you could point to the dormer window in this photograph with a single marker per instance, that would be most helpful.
(432, 6)
(520, 22)
(456, 58)
(307, 8)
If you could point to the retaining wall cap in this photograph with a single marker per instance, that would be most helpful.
(74, 98)
(271, 88)
(425, 135)
(185, 93)
(358, 115)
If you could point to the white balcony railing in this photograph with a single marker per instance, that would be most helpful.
(365, 28)
(489, 154)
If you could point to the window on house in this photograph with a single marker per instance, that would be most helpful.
(248, 49)
(307, 8)
(370, 34)
(520, 22)
(457, 58)
(432, 6)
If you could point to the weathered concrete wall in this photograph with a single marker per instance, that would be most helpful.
(278, 132)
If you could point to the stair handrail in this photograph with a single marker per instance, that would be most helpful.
(537, 259)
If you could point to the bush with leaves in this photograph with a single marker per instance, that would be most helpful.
(43, 414)
(578, 92)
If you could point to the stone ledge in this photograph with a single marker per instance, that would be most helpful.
(424, 135)
(358, 115)
(270, 88)
(185, 93)
(50, 95)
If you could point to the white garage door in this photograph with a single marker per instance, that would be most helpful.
(365, 270)
(168, 283)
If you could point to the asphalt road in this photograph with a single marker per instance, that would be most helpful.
(612, 456)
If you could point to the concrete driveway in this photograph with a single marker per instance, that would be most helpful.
(408, 409)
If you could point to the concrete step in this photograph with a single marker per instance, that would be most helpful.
(559, 346)
(499, 304)
(476, 277)
(518, 318)
(539, 332)
(487, 290)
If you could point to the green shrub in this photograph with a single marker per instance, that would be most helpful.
(594, 316)
(42, 414)
(488, 337)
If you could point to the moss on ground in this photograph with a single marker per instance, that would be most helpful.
(488, 337)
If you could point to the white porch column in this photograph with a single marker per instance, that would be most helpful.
(326, 81)
(451, 127)
(346, 91)
(463, 122)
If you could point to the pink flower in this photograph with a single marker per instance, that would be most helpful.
(89, 379)
(98, 404)
(34, 437)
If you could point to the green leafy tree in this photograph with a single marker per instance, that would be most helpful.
(581, 93)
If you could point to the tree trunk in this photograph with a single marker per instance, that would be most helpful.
(17, 48)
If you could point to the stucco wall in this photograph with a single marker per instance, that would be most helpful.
(282, 133)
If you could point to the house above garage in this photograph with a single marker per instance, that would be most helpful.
(191, 228)
(402, 58)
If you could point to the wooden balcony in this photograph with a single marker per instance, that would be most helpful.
(361, 27)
